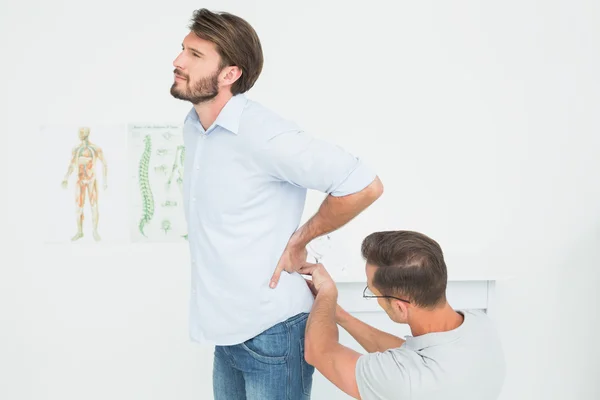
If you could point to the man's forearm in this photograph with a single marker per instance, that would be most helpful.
(335, 212)
(370, 338)
(321, 328)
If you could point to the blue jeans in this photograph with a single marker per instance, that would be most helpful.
(270, 366)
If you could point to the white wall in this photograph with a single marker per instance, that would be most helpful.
(491, 109)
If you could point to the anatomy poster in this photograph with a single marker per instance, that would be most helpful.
(84, 183)
(156, 155)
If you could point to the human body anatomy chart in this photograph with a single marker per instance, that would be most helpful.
(156, 169)
(83, 161)
(85, 187)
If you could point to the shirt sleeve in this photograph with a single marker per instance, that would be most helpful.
(298, 158)
(382, 376)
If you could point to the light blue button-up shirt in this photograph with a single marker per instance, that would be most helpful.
(245, 184)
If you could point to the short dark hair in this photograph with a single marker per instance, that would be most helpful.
(409, 264)
(236, 41)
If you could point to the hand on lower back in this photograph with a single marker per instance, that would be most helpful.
(292, 259)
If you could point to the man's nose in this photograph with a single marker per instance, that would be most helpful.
(178, 62)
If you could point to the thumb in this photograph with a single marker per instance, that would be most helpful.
(275, 277)
(308, 268)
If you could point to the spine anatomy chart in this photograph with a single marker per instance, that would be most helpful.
(144, 185)
(157, 155)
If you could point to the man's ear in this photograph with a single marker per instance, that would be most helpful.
(230, 74)
(402, 308)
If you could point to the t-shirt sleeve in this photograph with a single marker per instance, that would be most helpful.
(382, 375)
(300, 159)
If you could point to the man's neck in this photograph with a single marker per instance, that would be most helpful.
(440, 319)
(209, 111)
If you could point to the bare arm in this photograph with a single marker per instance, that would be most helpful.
(370, 338)
(333, 213)
(297, 158)
(334, 361)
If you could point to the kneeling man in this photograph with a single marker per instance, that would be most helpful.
(451, 354)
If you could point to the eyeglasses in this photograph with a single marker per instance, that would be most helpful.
(367, 294)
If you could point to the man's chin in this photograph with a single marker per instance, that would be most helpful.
(195, 100)
(177, 93)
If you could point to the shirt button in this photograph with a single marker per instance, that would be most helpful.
(197, 167)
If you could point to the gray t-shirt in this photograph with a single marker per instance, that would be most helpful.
(466, 363)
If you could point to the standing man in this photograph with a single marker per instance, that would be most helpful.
(451, 355)
(246, 174)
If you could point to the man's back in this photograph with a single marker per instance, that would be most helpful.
(466, 363)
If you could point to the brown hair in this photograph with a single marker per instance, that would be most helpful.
(409, 264)
(236, 41)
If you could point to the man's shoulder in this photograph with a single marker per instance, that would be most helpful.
(263, 122)
(385, 373)
(398, 357)
(478, 321)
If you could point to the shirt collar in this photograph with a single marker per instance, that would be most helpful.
(421, 342)
(230, 115)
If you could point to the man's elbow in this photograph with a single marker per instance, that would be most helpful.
(375, 189)
(378, 187)
(311, 354)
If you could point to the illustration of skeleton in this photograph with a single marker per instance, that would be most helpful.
(178, 167)
(157, 175)
(163, 168)
(145, 189)
(166, 225)
(83, 159)
(178, 164)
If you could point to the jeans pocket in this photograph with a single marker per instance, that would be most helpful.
(306, 372)
(269, 347)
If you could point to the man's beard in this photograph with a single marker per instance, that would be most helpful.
(204, 90)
